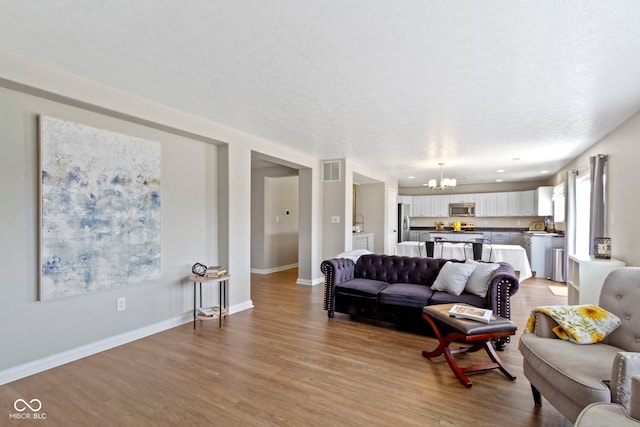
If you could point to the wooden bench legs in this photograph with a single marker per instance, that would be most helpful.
(477, 342)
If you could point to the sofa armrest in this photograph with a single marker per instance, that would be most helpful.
(544, 325)
(503, 283)
(634, 405)
(336, 271)
(626, 365)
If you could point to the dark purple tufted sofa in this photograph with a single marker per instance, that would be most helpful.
(395, 288)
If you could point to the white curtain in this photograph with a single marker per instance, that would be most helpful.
(598, 199)
(570, 218)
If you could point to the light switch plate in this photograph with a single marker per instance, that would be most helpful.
(335, 219)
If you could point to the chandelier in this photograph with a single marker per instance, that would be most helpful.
(445, 183)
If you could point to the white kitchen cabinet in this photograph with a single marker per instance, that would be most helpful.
(462, 198)
(539, 251)
(515, 238)
(424, 236)
(503, 237)
(497, 237)
(433, 206)
(455, 198)
(544, 197)
(440, 205)
(527, 203)
(486, 205)
(429, 206)
(417, 208)
(585, 277)
(502, 204)
(509, 203)
(480, 205)
(521, 203)
(363, 241)
(407, 200)
(558, 201)
(513, 203)
(414, 235)
(456, 236)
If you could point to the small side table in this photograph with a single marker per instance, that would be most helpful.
(223, 297)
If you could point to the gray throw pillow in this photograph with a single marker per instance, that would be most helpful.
(478, 283)
(453, 277)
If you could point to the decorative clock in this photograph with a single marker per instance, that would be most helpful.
(602, 248)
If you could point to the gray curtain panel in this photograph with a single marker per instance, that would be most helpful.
(598, 198)
(570, 218)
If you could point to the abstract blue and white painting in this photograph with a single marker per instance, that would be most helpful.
(100, 209)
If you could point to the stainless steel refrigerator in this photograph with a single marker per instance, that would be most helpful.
(403, 221)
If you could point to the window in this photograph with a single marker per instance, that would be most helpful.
(583, 211)
(559, 200)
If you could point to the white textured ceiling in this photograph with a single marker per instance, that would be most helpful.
(398, 86)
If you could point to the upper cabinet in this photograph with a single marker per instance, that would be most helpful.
(462, 198)
(516, 203)
(407, 200)
(558, 201)
(544, 201)
(487, 204)
(512, 203)
(502, 204)
(431, 206)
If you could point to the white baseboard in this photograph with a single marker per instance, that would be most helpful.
(48, 362)
(240, 307)
(313, 282)
(273, 270)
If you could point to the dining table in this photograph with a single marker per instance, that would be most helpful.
(512, 254)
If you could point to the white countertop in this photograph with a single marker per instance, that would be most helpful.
(543, 233)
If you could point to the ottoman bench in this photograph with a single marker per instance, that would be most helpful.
(449, 329)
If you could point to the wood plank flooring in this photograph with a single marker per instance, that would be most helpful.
(284, 363)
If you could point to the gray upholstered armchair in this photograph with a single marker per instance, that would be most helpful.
(613, 414)
(572, 376)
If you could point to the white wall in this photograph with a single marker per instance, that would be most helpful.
(281, 222)
(383, 241)
(370, 204)
(335, 204)
(623, 174)
(31, 329)
(259, 238)
(202, 217)
(337, 200)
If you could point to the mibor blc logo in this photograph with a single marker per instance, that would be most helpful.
(27, 410)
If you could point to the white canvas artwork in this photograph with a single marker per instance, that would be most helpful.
(100, 209)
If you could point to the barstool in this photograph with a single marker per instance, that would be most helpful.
(476, 248)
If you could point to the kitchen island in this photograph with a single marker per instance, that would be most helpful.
(513, 254)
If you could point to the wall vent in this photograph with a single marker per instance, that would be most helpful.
(331, 171)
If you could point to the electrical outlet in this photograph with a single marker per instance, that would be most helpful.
(121, 304)
(335, 219)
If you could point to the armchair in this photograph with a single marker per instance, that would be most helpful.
(572, 376)
(603, 414)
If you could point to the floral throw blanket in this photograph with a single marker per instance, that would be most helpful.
(580, 324)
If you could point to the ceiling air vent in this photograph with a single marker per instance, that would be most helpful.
(331, 171)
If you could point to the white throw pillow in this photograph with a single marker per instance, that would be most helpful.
(478, 283)
(453, 277)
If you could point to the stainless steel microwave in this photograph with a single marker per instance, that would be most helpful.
(462, 209)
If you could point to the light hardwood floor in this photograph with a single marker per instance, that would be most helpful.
(285, 363)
